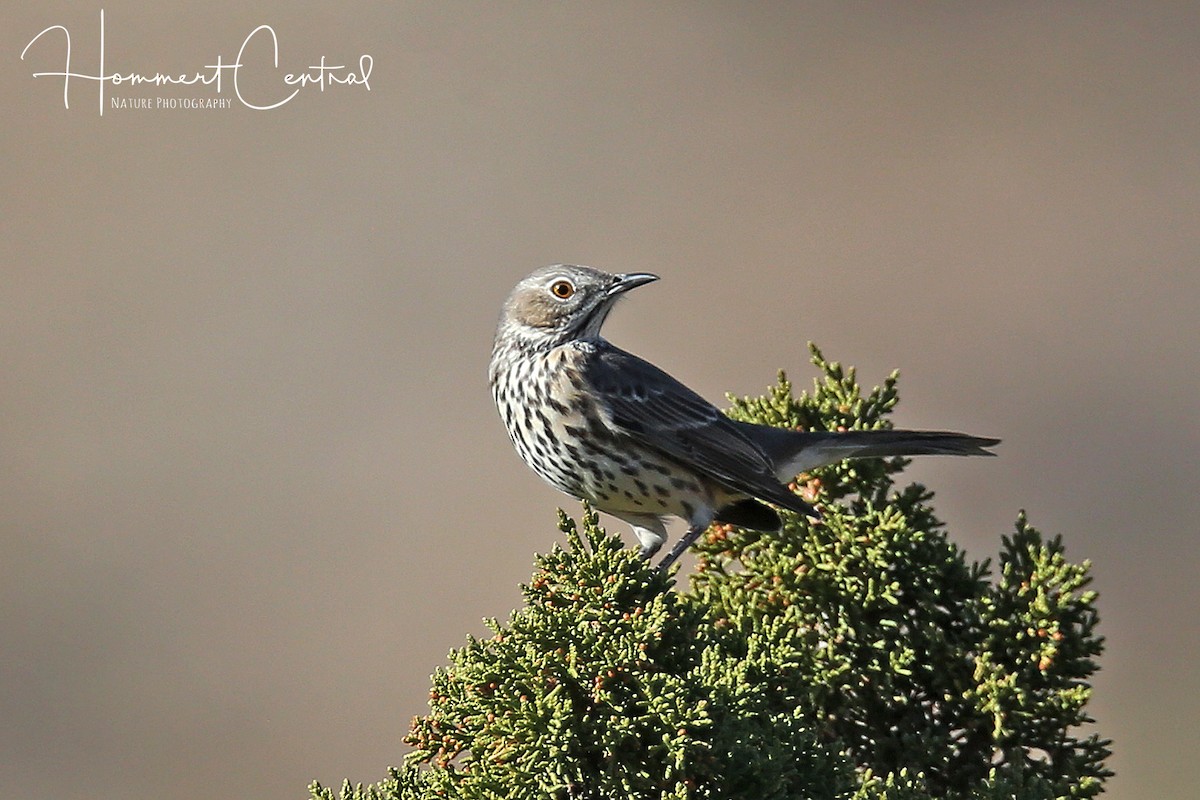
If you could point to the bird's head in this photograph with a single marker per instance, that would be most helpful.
(562, 303)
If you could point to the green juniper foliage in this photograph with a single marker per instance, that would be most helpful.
(857, 657)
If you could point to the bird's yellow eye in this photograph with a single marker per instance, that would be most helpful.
(562, 289)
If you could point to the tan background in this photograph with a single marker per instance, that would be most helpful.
(252, 488)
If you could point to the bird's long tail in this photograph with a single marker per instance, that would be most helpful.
(794, 452)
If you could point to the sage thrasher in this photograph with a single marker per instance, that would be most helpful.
(608, 427)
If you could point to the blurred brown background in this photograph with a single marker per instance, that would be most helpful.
(252, 488)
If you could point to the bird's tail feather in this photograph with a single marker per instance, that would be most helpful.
(794, 452)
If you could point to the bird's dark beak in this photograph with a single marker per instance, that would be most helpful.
(630, 280)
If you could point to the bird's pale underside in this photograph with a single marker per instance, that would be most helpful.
(608, 427)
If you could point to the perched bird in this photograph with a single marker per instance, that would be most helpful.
(608, 427)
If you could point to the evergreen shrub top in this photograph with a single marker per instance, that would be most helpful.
(861, 656)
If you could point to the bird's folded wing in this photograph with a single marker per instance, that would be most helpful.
(648, 405)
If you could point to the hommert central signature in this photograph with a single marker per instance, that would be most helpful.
(320, 75)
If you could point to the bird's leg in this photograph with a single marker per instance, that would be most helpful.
(649, 531)
(689, 538)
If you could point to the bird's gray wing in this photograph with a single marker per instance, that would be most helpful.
(648, 405)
